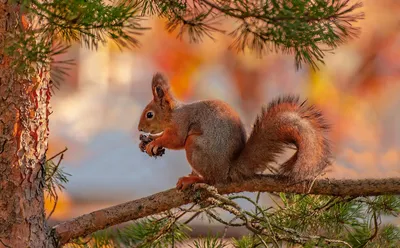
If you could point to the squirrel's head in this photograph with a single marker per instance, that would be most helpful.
(157, 114)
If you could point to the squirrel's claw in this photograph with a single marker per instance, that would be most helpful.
(151, 149)
(156, 151)
(179, 184)
(185, 182)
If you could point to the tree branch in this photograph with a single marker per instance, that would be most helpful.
(162, 201)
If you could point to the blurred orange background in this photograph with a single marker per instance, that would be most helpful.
(96, 111)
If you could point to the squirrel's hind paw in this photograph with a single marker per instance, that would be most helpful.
(185, 182)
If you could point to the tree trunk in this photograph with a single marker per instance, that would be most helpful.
(24, 110)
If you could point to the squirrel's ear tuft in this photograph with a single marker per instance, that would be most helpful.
(160, 86)
(161, 89)
(159, 92)
(159, 80)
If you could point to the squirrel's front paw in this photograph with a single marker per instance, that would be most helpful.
(145, 141)
(152, 149)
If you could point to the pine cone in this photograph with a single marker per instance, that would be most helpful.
(145, 139)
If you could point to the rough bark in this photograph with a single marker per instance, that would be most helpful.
(89, 223)
(23, 143)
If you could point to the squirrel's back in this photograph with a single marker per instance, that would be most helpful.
(218, 137)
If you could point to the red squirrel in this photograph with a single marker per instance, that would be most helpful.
(215, 140)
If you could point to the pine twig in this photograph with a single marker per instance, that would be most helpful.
(58, 154)
(54, 207)
(56, 167)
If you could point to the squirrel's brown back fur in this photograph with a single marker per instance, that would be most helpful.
(215, 137)
(286, 121)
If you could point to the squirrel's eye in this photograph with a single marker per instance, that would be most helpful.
(149, 115)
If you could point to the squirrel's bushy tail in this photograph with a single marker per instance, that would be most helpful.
(285, 121)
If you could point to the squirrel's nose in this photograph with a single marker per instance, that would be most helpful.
(141, 130)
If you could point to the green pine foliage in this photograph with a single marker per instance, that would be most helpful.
(54, 175)
(307, 29)
(56, 24)
(211, 241)
(54, 178)
(294, 220)
(153, 232)
(245, 241)
(327, 221)
(304, 28)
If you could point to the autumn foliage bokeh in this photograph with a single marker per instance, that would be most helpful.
(97, 108)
